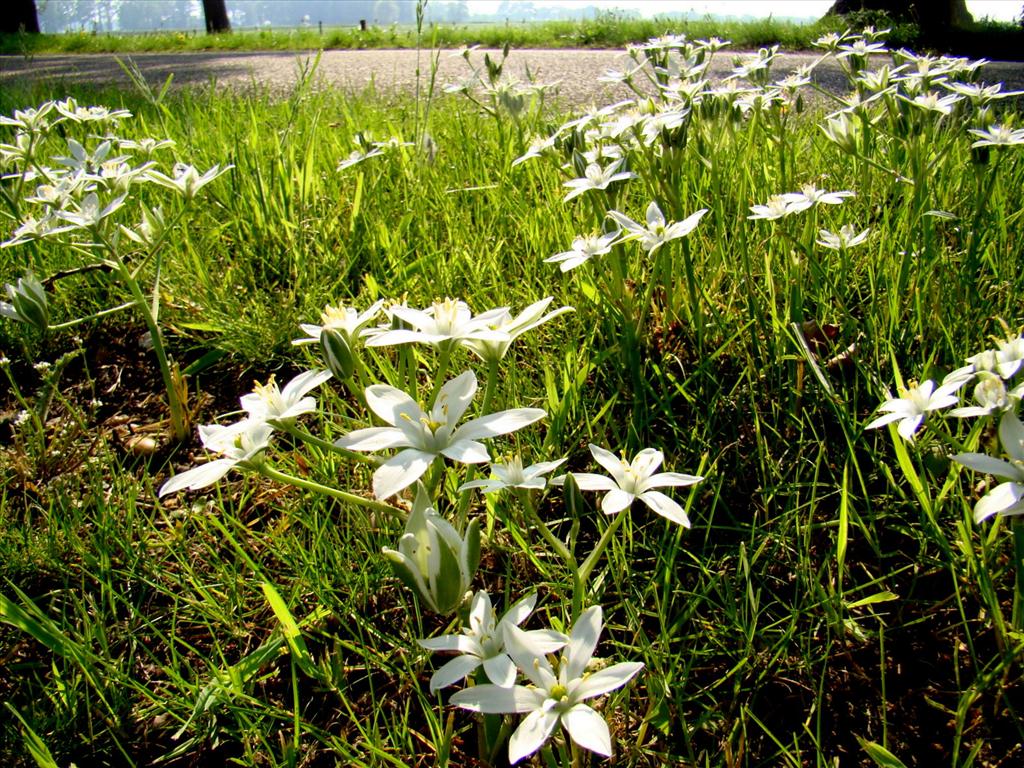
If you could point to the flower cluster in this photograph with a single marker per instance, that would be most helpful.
(996, 396)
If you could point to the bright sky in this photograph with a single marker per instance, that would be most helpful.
(999, 10)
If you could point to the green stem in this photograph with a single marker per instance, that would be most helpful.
(1017, 618)
(179, 419)
(101, 313)
(485, 407)
(310, 485)
(444, 357)
(578, 580)
(325, 445)
(591, 562)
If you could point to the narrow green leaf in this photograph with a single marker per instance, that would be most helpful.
(35, 745)
(290, 629)
(883, 757)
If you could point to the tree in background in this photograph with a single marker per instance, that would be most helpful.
(935, 18)
(20, 16)
(216, 14)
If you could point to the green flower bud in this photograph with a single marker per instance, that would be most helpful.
(29, 304)
(337, 353)
(433, 560)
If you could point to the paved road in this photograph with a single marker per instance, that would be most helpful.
(387, 71)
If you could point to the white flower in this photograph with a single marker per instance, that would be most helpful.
(554, 697)
(240, 443)
(596, 177)
(658, 231)
(933, 102)
(860, 48)
(910, 409)
(89, 213)
(32, 228)
(1006, 498)
(776, 207)
(282, 406)
(147, 146)
(847, 237)
(187, 181)
(1009, 356)
(514, 475)
(70, 109)
(346, 320)
(30, 119)
(537, 148)
(980, 94)
(81, 161)
(447, 321)
(483, 643)
(583, 249)
(513, 327)
(810, 195)
(636, 480)
(425, 436)
(997, 136)
(357, 156)
(991, 396)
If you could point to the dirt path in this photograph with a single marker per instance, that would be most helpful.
(386, 71)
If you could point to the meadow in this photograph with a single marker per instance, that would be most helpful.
(459, 430)
(605, 30)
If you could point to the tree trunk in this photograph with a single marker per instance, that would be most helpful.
(216, 13)
(20, 16)
(930, 15)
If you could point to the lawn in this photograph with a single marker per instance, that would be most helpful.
(683, 430)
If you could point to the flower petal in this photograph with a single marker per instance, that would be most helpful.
(460, 643)
(665, 507)
(500, 670)
(374, 439)
(198, 477)
(1004, 499)
(607, 679)
(616, 500)
(989, 465)
(611, 463)
(588, 729)
(500, 423)
(582, 641)
(400, 471)
(531, 734)
(671, 479)
(520, 609)
(1011, 436)
(466, 451)
(647, 462)
(390, 404)
(588, 481)
(454, 398)
(303, 383)
(457, 669)
(493, 699)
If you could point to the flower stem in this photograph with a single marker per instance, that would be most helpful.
(485, 407)
(591, 562)
(578, 581)
(310, 485)
(1017, 617)
(324, 445)
(101, 313)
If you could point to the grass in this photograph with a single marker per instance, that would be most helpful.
(607, 30)
(833, 591)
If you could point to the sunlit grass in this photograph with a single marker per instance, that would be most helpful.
(607, 30)
(833, 586)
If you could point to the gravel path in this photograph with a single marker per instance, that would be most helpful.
(386, 71)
